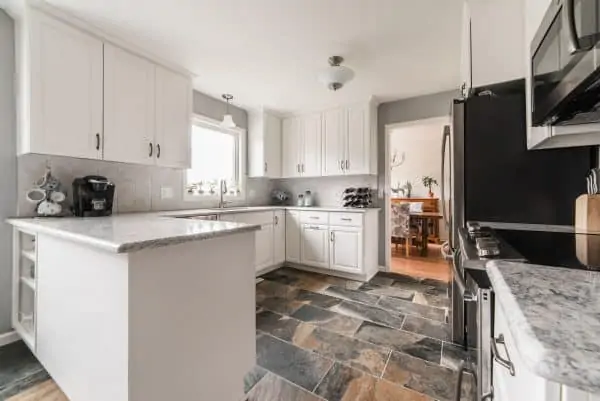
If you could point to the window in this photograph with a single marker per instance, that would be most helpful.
(216, 155)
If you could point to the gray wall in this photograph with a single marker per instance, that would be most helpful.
(215, 109)
(416, 108)
(8, 165)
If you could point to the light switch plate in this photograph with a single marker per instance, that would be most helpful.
(166, 192)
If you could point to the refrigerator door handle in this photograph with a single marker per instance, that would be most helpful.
(445, 138)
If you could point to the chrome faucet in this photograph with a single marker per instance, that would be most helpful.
(222, 192)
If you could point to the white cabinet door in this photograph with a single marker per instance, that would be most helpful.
(358, 142)
(333, 142)
(314, 246)
(264, 247)
(173, 119)
(312, 146)
(129, 124)
(346, 249)
(272, 146)
(66, 91)
(293, 232)
(279, 237)
(291, 142)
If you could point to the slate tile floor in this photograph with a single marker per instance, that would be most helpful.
(327, 338)
(324, 338)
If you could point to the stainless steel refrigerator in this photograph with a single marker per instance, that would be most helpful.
(488, 174)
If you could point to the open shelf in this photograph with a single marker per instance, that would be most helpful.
(29, 254)
(29, 282)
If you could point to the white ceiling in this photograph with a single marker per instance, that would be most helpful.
(268, 52)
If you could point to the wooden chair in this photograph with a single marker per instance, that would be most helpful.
(401, 228)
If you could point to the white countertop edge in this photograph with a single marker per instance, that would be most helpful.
(130, 246)
(536, 357)
(250, 209)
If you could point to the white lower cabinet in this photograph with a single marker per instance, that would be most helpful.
(338, 242)
(279, 237)
(264, 247)
(314, 245)
(523, 384)
(345, 249)
(293, 232)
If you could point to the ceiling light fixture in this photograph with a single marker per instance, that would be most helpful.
(336, 75)
(228, 118)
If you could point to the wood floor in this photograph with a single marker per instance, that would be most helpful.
(433, 266)
(46, 391)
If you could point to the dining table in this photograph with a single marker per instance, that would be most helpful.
(423, 219)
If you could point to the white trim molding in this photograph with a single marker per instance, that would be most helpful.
(8, 338)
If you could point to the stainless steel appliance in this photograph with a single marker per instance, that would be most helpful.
(488, 175)
(565, 64)
(558, 248)
(93, 196)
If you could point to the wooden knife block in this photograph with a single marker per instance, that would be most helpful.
(587, 213)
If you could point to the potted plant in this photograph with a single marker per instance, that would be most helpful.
(429, 182)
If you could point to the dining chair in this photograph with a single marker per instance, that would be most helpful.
(401, 228)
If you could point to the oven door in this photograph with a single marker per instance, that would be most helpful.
(563, 64)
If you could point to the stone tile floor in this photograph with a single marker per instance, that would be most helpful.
(324, 338)
(327, 338)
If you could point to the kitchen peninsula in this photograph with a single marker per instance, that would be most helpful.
(122, 308)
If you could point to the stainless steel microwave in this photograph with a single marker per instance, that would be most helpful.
(565, 64)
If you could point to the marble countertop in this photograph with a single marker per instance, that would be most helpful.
(130, 232)
(249, 209)
(554, 316)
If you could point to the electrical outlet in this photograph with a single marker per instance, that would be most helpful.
(166, 192)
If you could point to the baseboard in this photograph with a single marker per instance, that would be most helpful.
(268, 269)
(383, 268)
(8, 338)
(329, 272)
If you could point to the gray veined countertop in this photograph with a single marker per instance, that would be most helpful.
(130, 232)
(554, 316)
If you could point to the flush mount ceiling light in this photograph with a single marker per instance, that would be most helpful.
(336, 75)
(228, 118)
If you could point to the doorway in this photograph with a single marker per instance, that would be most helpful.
(413, 216)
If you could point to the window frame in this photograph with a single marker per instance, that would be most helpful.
(241, 151)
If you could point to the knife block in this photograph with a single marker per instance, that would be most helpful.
(587, 213)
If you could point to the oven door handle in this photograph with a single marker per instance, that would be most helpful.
(507, 363)
(459, 279)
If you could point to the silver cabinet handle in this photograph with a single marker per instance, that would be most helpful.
(332, 236)
(315, 228)
(303, 167)
(459, 279)
(298, 167)
(151, 148)
(313, 218)
(97, 141)
(345, 219)
(342, 164)
(574, 45)
(507, 363)
(347, 164)
(158, 151)
(265, 167)
(276, 220)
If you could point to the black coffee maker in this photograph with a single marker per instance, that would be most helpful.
(93, 196)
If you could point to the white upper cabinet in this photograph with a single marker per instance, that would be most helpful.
(311, 145)
(291, 144)
(173, 116)
(129, 102)
(62, 112)
(497, 37)
(302, 147)
(349, 140)
(81, 96)
(264, 145)
(334, 127)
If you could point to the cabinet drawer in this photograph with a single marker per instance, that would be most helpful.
(346, 219)
(261, 218)
(314, 217)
